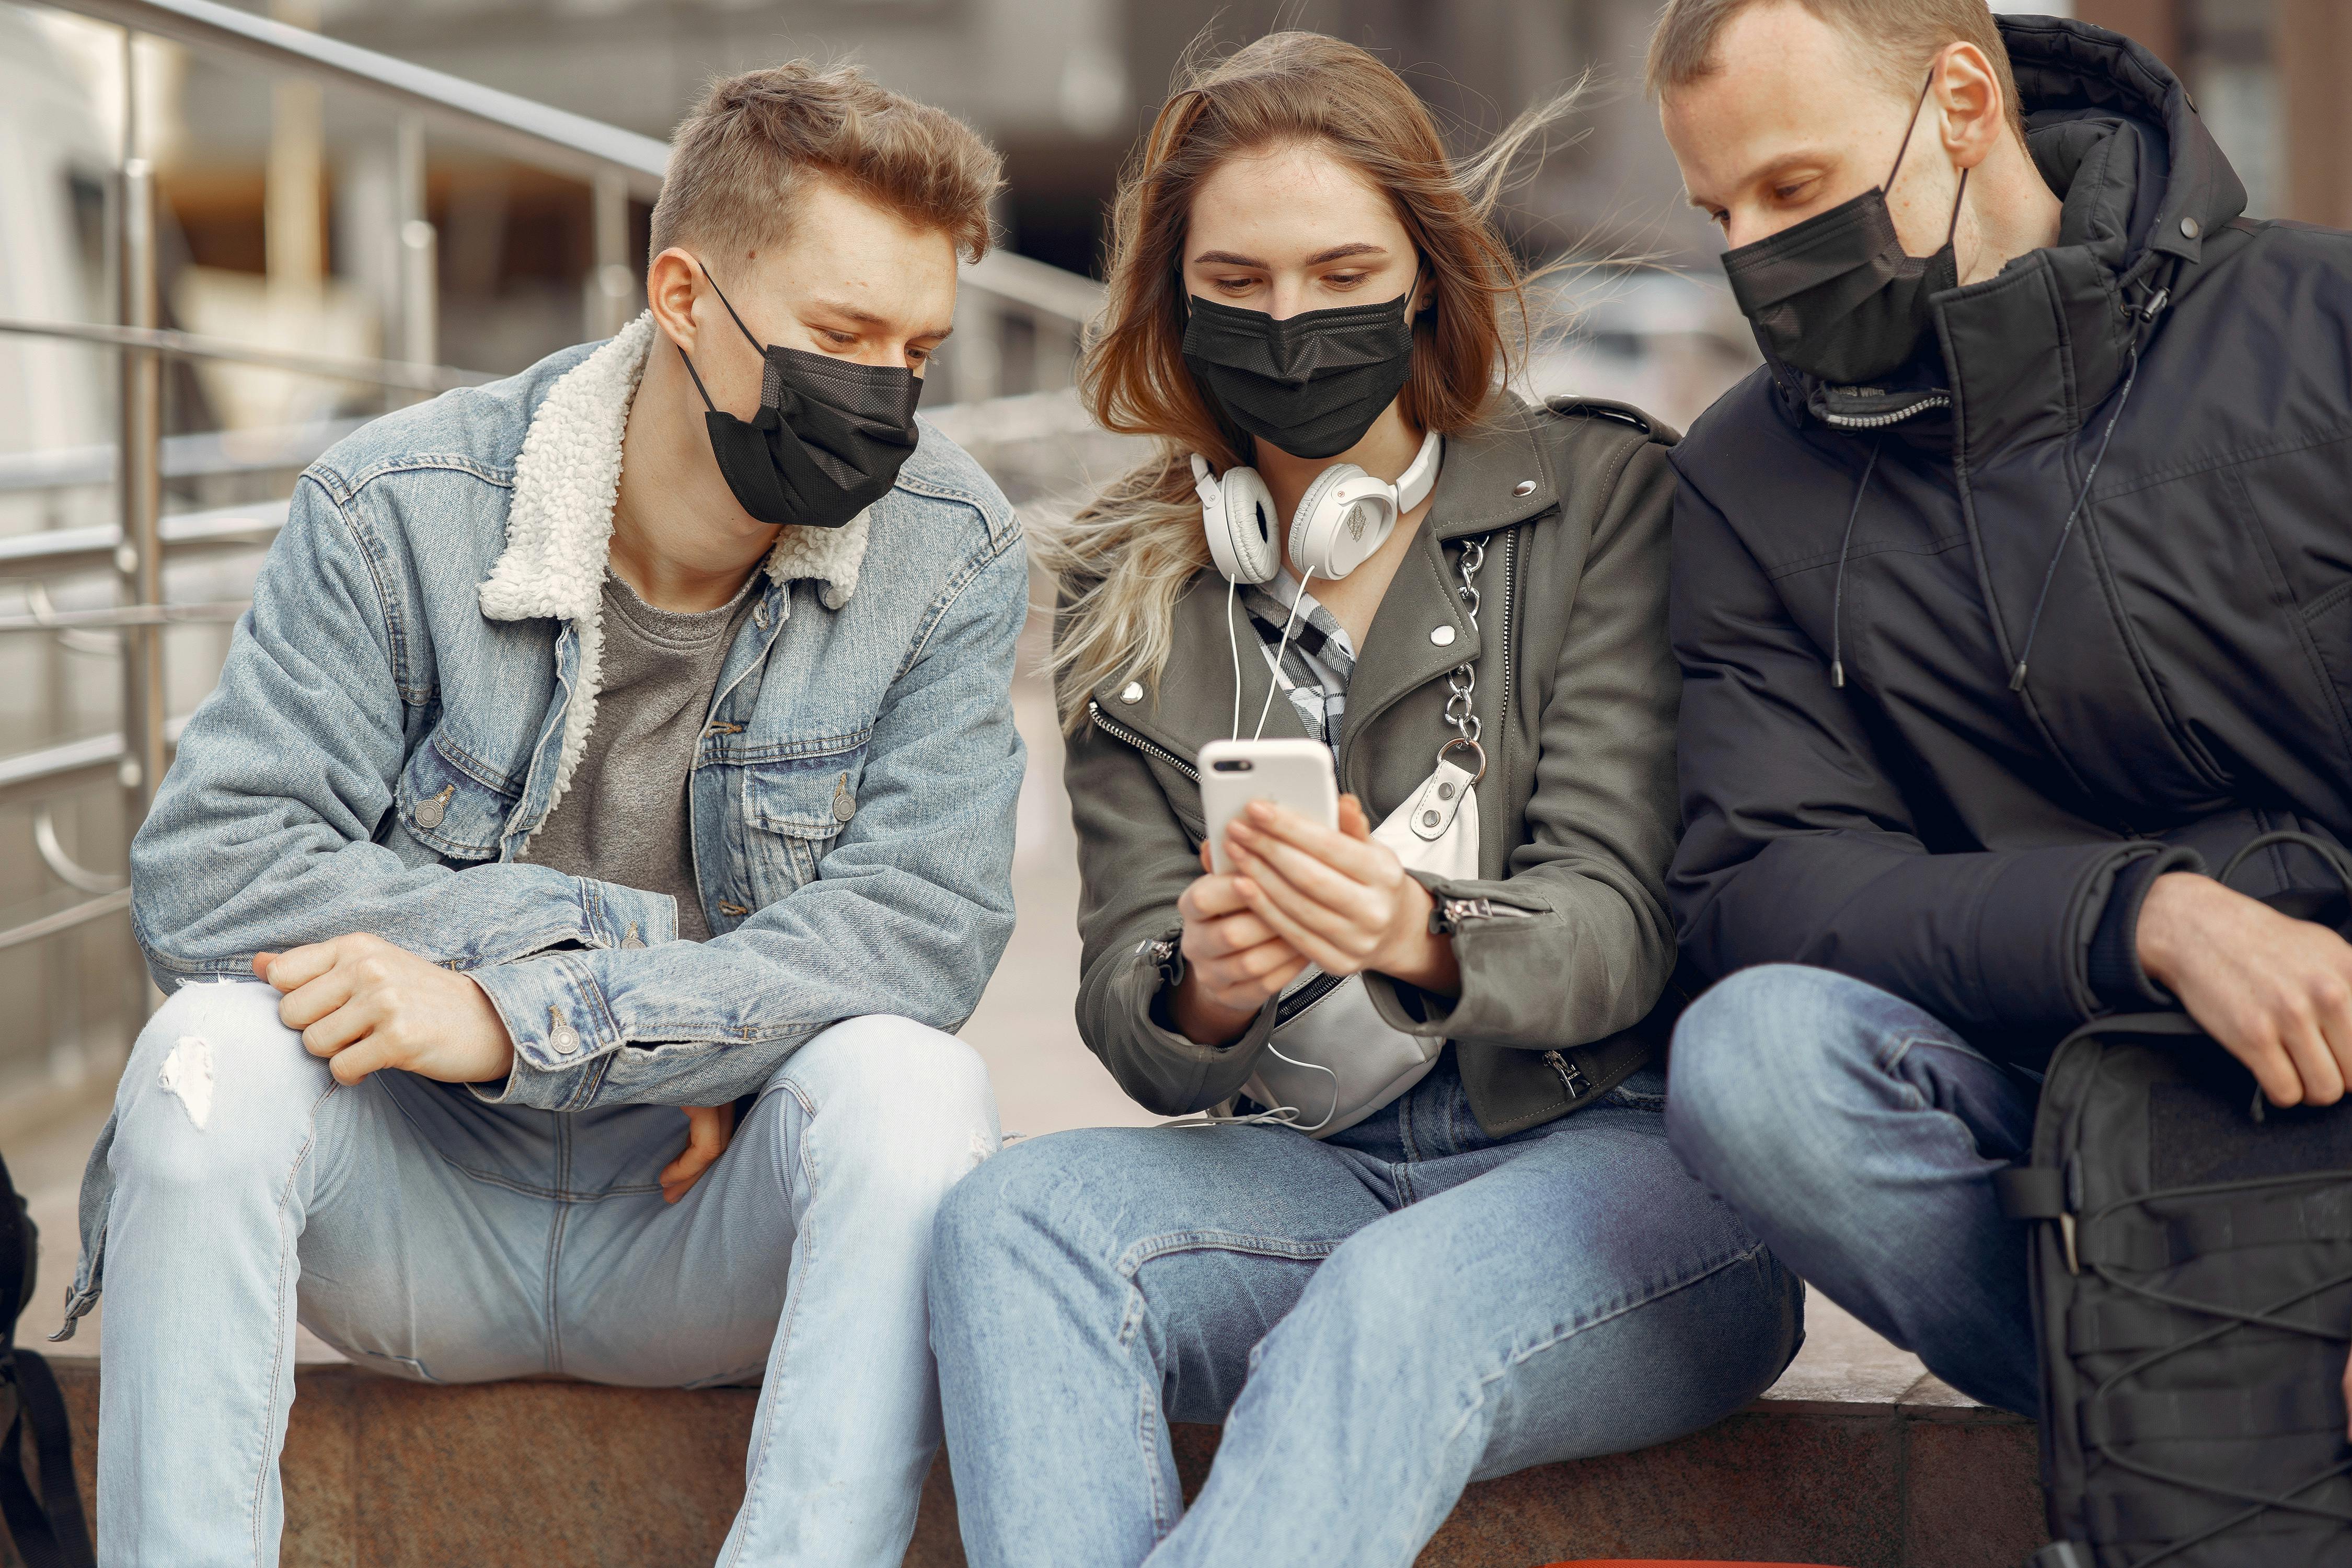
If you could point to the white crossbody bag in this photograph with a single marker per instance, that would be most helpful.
(1332, 1059)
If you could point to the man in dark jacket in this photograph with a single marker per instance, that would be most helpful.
(2013, 594)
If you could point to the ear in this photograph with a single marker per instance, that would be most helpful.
(672, 284)
(1974, 114)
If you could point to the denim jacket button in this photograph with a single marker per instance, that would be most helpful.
(566, 1039)
(845, 805)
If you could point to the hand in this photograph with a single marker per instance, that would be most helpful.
(1341, 898)
(708, 1128)
(1233, 962)
(2276, 992)
(365, 1005)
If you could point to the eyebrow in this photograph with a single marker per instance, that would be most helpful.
(1810, 157)
(866, 318)
(1337, 253)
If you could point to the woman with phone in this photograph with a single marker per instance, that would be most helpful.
(1429, 1228)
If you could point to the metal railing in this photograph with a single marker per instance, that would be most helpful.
(617, 164)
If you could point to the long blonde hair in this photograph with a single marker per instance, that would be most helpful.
(1129, 553)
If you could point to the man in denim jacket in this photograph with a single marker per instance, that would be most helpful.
(591, 751)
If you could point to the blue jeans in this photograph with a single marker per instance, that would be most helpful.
(433, 1237)
(1386, 1316)
(1859, 1137)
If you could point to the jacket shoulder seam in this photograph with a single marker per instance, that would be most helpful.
(974, 564)
(387, 602)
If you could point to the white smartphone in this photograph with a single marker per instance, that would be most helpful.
(1296, 773)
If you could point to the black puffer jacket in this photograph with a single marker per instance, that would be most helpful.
(1975, 849)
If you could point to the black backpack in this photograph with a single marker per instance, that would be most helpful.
(2192, 1298)
(49, 1531)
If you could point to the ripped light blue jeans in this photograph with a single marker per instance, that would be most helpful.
(433, 1237)
(1387, 1314)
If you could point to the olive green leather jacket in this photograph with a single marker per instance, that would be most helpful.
(1564, 942)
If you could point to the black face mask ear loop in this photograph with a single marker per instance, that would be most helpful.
(1845, 548)
(739, 327)
(1951, 229)
(2145, 315)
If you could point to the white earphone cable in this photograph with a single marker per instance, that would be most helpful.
(1273, 676)
(1233, 641)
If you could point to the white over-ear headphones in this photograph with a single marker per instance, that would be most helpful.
(1345, 515)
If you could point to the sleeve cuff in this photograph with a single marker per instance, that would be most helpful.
(555, 1013)
(2112, 961)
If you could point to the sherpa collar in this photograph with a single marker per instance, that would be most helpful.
(567, 477)
(559, 524)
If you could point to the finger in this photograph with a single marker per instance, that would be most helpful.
(1213, 940)
(1246, 969)
(1336, 887)
(340, 1029)
(694, 1159)
(1345, 929)
(297, 966)
(261, 962)
(2272, 1068)
(368, 1056)
(1250, 996)
(1208, 865)
(1266, 958)
(1358, 857)
(2314, 1063)
(708, 1129)
(2334, 996)
(305, 1004)
(1208, 897)
(1354, 821)
(1309, 944)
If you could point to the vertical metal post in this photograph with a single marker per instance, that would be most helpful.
(420, 308)
(138, 557)
(612, 282)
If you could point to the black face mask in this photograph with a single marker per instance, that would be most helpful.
(1310, 383)
(828, 440)
(1835, 296)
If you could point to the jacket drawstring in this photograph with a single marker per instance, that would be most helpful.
(1845, 548)
(2147, 313)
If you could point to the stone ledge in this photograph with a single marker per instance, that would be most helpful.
(386, 1474)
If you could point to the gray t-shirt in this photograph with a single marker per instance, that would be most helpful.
(627, 816)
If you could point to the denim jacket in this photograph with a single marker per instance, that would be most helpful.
(405, 702)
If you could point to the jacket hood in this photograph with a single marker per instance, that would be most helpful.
(2029, 353)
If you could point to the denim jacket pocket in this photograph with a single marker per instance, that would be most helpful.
(798, 807)
(448, 808)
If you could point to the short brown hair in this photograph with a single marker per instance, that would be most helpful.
(1897, 37)
(736, 162)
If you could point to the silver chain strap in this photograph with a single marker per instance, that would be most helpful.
(1463, 683)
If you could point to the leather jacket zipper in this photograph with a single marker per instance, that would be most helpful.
(1118, 732)
(1509, 674)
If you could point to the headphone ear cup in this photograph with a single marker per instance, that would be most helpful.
(1241, 528)
(1335, 529)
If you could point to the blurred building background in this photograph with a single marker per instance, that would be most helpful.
(280, 223)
